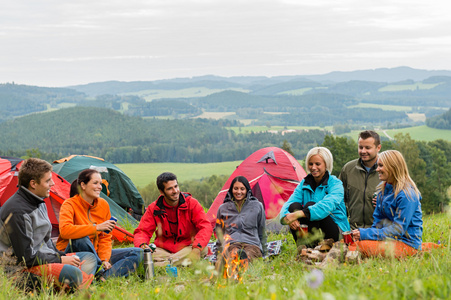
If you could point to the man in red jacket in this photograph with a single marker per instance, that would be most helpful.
(182, 229)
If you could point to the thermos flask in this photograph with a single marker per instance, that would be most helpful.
(148, 264)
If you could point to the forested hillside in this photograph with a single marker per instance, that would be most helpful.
(278, 101)
(440, 122)
(120, 138)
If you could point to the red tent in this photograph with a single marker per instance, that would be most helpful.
(273, 175)
(9, 171)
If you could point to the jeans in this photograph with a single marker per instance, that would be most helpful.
(123, 260)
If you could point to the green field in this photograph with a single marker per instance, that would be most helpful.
(419, 133)
(144, 173)
(150, 95)
(214, 115)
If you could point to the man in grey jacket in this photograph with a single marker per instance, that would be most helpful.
(360, 179)
(25, 229)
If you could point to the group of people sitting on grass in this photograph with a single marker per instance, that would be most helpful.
(320, 203)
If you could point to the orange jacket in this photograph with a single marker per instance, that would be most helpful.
(78, 219)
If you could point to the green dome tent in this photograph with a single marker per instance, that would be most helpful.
(118, 189)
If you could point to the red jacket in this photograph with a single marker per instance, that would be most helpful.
(193, 228)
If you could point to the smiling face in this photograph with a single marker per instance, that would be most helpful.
(368, 151)
(317, 167)
(42, 189)
(239, 191)
(171, 192)
(384, 175)
(92, 189)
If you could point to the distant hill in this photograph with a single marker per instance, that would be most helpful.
(383, 75)
(379, 75)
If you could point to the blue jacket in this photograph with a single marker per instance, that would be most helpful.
(397, 218)
(329, 199)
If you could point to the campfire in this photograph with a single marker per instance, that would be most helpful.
(235, 264)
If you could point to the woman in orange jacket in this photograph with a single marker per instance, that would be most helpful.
(85, 224)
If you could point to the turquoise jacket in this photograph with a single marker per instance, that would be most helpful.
(329, 199)
(398, 218)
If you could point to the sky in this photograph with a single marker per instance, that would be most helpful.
(58, 43)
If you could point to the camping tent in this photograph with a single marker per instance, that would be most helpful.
(118, 189)
(273, 175)
(9, 171)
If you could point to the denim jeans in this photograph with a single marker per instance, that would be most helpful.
(123, 260)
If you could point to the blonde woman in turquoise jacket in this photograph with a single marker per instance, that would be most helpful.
(318, 201)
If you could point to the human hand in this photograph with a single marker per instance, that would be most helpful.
(356, 235)
(374, 200)
(106, 226)
(194, 254)
(144, 246)
(106, 265)
(295, 225)
(72, 260)
(291, 217)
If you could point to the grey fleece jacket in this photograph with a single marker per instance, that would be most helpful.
(247, 226)
(28, 230)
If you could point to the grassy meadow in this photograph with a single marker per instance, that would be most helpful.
(144, 173)
(424, 276)
(420, 133)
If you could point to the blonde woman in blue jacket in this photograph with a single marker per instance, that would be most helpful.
(398, 221)
(318, 201)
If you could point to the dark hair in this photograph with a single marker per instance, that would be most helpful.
(163, 178)
(33, 169)
(243, 180)
(84, 176)
(370, 133)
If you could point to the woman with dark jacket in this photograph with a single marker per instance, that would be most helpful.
(240, 224)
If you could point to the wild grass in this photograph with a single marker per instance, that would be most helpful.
(424, 276)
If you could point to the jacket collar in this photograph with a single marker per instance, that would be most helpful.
(182, 202)
(85, 204)
(310, 181)
(249, 196)
(361, 166)
(29, 196)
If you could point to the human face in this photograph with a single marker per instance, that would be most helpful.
(239, 191)
(384, 175)
(42, 189)
(368, 151)
(171, 192)
(92, 189)
(317, 167)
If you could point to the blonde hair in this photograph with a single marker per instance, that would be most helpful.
(325, 155)
(396, 167)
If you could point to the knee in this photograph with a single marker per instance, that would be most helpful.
(294, 207)
(84, 241)
(89, 265)
(136, 254)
